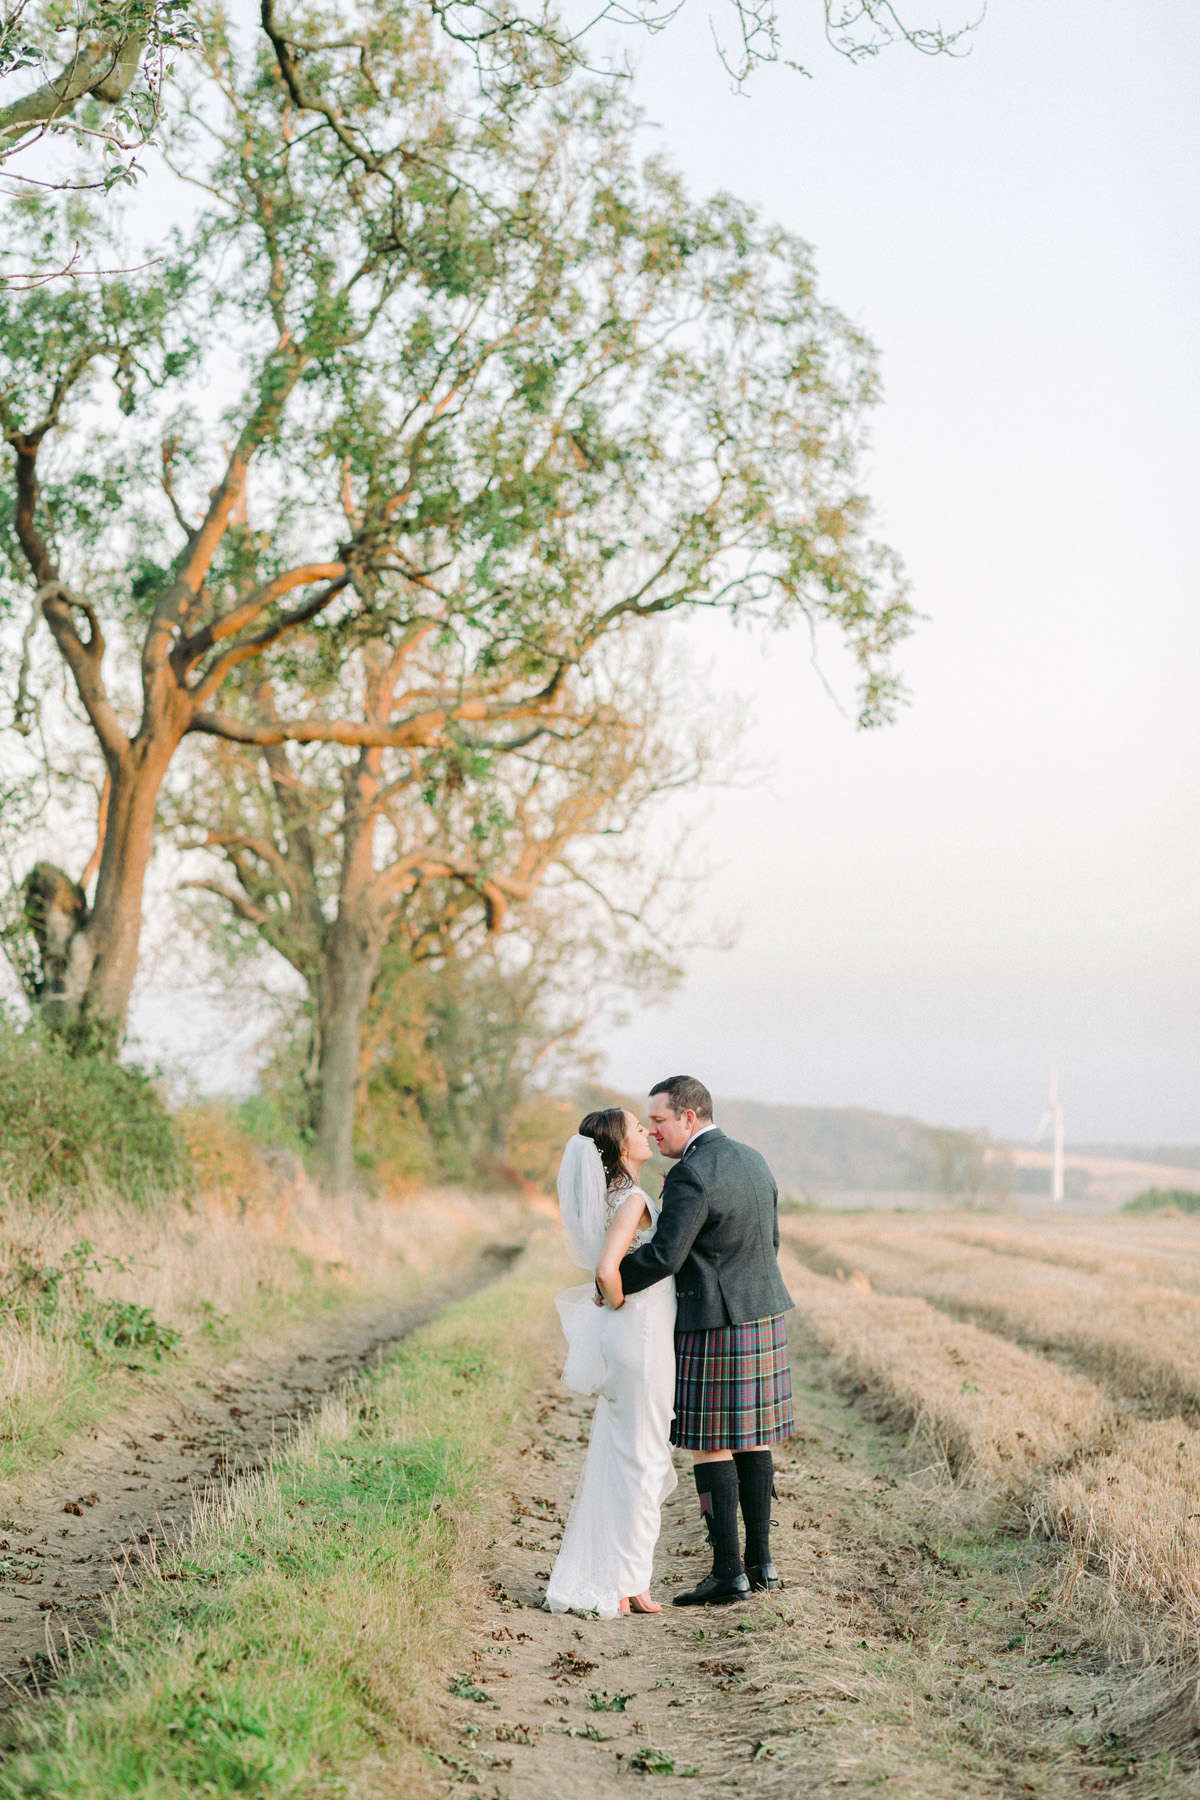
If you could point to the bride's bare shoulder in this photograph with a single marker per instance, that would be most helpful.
(649, 1210)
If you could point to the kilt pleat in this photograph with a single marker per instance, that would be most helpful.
(733, 1386)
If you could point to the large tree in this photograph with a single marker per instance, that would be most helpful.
(335, 855)
(509, 389)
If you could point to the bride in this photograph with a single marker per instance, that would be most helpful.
(625, 1353)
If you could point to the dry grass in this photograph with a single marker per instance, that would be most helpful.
(991, 1414)
(1140, 1339)
(1131, 1516)
(220, 1275)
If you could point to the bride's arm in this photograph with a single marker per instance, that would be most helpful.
(626, 1221)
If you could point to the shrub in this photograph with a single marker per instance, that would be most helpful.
(57, 1298)
(67, 1120)
(123, 1325)
(1155, 1199)
(225, 1155)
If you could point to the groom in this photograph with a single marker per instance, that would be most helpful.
(718, 1235)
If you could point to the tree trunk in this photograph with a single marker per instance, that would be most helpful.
(113, 931)
(90, 957)
(351, 963)
(352, 952)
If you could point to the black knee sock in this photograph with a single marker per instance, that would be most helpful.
(717, 1486)
(756, 1482)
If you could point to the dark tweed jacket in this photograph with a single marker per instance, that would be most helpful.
(718, 1235)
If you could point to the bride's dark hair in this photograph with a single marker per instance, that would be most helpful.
(607, 1131)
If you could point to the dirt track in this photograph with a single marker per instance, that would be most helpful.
(893, 1655)
(72, 1537)
(900, 1652)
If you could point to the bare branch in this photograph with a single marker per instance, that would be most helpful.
(253, 915)
(23, 710)
(232, 841)
(169, 448)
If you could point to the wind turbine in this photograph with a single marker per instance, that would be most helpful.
(1053, 1115)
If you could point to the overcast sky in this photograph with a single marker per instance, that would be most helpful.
(931, 914)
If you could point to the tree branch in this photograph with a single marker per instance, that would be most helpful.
(103, 70)
(253, 915)
(93, 862)
(189, 650)
(418, 732)
(308, 102)
(24, 710)
(58, 604)
(254, 646)
(279, 377)
(231, 841)
(169, 447)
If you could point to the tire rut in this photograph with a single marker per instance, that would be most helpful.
(107, 1504)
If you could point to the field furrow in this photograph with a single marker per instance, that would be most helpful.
(1133, 1515)
(1122, 1491)
(1140, 1340)
(1097, 1247)
(990, 1412)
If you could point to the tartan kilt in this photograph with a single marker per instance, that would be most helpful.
(733, 1386)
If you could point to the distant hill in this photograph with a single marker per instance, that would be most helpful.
(1168, 1154)
(812, 1149)
(822, 1151)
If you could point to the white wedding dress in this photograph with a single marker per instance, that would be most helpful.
(627, 1357)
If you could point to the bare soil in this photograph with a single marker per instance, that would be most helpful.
(903, 1651)
(103, 1508)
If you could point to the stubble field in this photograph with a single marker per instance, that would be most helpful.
(986, 1528)
(1070, 1395)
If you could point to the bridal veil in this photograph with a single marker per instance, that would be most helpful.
(582, 1192)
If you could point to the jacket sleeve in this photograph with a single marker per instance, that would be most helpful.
(685, 1208)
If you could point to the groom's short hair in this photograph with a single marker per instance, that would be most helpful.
(686, 1094)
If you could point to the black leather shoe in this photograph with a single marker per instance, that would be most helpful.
(714, 1590)
(762, 1575)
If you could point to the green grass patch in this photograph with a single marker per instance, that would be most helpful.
(297, 1646)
